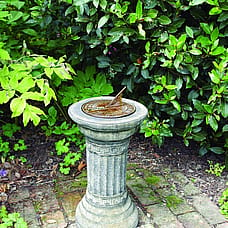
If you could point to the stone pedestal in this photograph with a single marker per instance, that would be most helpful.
(106, 202)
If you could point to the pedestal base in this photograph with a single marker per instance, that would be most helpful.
(124, 215)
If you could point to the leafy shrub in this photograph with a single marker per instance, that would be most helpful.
(28, 80)
(11, 219)
(170, 54)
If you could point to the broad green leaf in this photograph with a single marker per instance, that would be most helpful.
(147, 46)
(61, 73)
(181, 41)
(176, 105)
(103, 20)
(103, 4)
(145, 73)
(189, 31)
(164, 20)
(215, 11)
(161, 101)
(49, 72)
(184, 115)
(14, 16)
(4, 55)
(142, 32)
(80, 2)
(17, 4)
(96, 3)
(199, 137)
(218, 51)
(126, 39)
(152, 13)
(222, 17)
(13, 82)
(75, 37)
(195, 51)
(198, 105)
(197, 2)
(32, 113)
(172, 40)
(132, 18)
(163, 80)
(30, 32)
(214, 35)
(215, 76)
(69, 10)
(5, 96)
(196, 122)
(224, 109)
(25, 84)
(164, 36)
(213, 2)
(178, 60)
(213, 123)
(89, 27)
(115, 37)
(179, 83)
(3, 14)
(199, 116)
(90, 71)
(106, 89)
(139, 10)
(202, 151)
(208, 108)
(42, 61)
(32, 96)
(217, 150)
(157, 89)
(206, 28)
(204, 41)
(49, 95)
(17, 106)
(225, 128)
(170, 87)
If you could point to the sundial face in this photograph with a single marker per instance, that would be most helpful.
(103, 109)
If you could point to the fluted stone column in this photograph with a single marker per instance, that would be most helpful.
(106, 203)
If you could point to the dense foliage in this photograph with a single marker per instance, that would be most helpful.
(171, 55)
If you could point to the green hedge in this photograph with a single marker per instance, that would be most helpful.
(171, 55)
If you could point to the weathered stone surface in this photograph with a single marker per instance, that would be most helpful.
(208, 209)
(27, 211)
(144, 220)
(73, 225)
(69, 202)
(53, 219)
(44, 199)
(178, 177)
(163, 217)
(106, 202)
(182, 208)
(193, 219)
(20, 195)
(223, 225)
(142, 191)
(78, 184)
(190, 189)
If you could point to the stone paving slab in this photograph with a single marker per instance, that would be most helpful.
(208, 210)
(193, 219)
(157, 197)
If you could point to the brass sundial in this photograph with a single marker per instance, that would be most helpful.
(109, 108)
